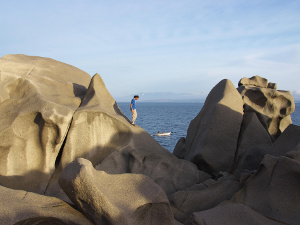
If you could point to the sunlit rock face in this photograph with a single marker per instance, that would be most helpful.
(52, 113)
(126, 198)
(273, 106)
(102, 134)
(236, 128)
(38, 97)
(212, 136)
(63, 135)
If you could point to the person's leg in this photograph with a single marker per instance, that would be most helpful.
(134, 116)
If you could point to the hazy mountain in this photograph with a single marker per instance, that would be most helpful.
(178, 97)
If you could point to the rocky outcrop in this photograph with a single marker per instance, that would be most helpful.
(270, 104)
(236, 130)
(212, 136)
(30, 208)
(38, 99)
(63, 135)
(102, 134)
(273, 190)
(115, 199)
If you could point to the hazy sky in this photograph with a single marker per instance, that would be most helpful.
(184, 46)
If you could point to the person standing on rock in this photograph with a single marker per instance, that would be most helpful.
(133, 109)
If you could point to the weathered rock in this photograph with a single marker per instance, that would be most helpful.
(288, 143)
(184, 203)
(272, 86)
(21, 206)
(102, 134)
(274, 190)
(115, 199)
(38, 99)
(256, 81)
(254, 143)
(212, 135)
(274, 105)
(170, 173)
(179, 150)
(230, 214)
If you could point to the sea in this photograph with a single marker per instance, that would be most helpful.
(160, 117)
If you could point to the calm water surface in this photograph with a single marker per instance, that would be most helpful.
(174, 117)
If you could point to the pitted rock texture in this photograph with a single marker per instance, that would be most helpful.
(256, 81)
(272, 105)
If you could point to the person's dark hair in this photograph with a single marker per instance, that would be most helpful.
(136, 96)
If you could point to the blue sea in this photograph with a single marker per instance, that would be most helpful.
(172, 117)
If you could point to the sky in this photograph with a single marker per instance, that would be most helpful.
(179, 46)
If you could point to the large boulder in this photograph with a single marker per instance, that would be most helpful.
(115, 199)
(288, 143)
(274, 190)
(254, 143)
(212, 136)
(201, 197)
(22, 207)
(38, 98)
(102, 134)
(170, 173)
(230, 214)
(272, 105)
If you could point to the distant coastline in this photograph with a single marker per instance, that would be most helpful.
(166, 97)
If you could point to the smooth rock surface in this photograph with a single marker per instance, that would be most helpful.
(38, 98)
(274, 190)
(254, 143)
(212, 136)
(184, 203)
(230, 214)
(21, 206)
(115, 199)
(102, 134)
(288, 143)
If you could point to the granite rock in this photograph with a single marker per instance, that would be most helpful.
(22, 207)
(212, 135)
(38, 98)
(272, 105)
(115, 199)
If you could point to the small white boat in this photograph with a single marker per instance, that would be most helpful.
(164, 134)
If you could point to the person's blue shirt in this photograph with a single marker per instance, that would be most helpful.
(133, 104)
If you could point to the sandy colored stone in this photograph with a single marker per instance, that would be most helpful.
(19, 205)
(212, 135)
(256, 81)
(272, 86)
(170, 173)
(115, 199)
(274, 190)
(38, 98)
(271, 103)
(102, 134)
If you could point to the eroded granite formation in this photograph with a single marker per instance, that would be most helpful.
(68, 155)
